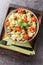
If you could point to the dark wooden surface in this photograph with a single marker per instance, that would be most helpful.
(12, 58)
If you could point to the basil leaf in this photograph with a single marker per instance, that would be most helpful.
(20, 23)
(25, 24)
(22, 26)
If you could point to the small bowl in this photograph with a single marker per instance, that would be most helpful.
(34, 34)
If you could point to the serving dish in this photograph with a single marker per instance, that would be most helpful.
(33, 44)
(21, 25)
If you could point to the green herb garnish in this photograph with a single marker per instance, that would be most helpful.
(22, 24)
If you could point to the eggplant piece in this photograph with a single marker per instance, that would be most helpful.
(32, 15)
(24, 12)
(15, 18)
(16, 11)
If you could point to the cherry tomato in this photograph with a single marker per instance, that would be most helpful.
(7, 23)
(32, 29)
(26, 37)
(25, 20)
(34, 19)
(18, 29)
(20, 11)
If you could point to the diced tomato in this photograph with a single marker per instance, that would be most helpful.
(34, 19)
(20, 11)
(26, 37)
(7, 23)
(32, 29)
(25, 20)
(18, 29)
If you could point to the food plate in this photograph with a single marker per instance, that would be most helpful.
(31, 44)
